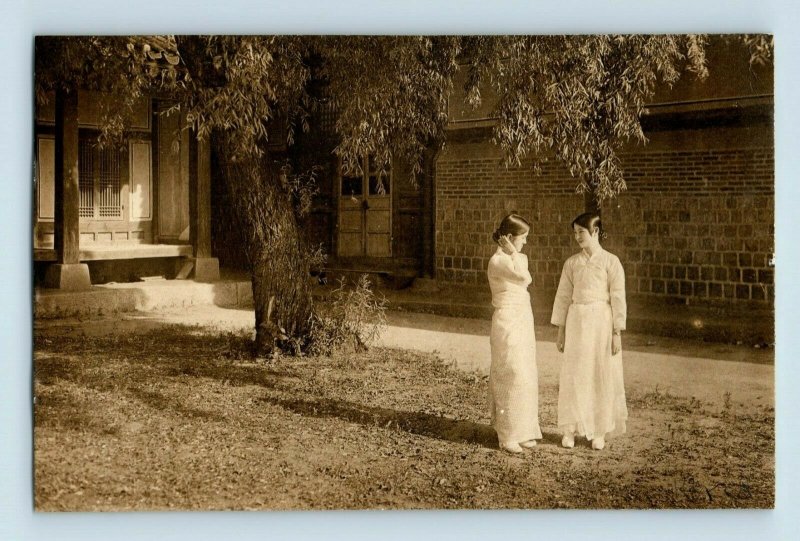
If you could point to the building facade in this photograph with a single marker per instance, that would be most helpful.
(695, 224)
(120, 211)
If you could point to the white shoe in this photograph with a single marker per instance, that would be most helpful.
(568, 441)
(528, 444)
(598, 443)
(511, 448)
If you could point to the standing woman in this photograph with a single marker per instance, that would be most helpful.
(590, 312)
(513, 378)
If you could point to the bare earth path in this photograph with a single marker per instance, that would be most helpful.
(681, 367)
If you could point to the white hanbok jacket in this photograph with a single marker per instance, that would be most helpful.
(590, 304)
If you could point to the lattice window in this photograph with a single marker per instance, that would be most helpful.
(110, 199)
(99, 181)
(86, 179)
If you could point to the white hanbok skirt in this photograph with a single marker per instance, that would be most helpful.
(591, 390)
(513, 376)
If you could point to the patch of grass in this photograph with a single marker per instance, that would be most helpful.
(182, 418)
(658, 398)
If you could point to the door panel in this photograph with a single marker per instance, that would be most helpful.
(365, 214)
(46, 175)
(350, 219)
(379, 227)
(141, 183)
(351, 230)
(173, 179)
(378, 221)
(350, 244)
(378, 245)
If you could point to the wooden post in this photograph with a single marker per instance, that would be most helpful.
(154, 165)
(67, 273)
(206, 268)
(67, 217)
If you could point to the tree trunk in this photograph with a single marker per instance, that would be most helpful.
(276, 252)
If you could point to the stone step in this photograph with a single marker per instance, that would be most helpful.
(140, 296)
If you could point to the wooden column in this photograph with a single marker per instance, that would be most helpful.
(67, 272)
(67, 218)
(206, 267)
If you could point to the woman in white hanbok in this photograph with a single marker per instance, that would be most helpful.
(513, 377)
(590, 312)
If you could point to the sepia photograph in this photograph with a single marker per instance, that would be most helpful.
(326, 272)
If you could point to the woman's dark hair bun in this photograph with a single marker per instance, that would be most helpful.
(512, 224)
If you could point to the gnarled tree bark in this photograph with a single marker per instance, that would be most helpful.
(276, 251)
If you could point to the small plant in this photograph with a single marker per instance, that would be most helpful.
(726, 403)
(351, 319)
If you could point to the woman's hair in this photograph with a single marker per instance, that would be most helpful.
(513, 224)
(590, 221)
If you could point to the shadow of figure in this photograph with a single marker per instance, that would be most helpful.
(423, 424)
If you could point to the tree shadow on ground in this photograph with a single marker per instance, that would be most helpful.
(232, 374)
(164, 403)
(414, 422)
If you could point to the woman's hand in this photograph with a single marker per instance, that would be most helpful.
(616, 343)
(562, 334)
(506, 245)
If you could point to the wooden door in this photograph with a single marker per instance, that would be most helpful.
(365, 212)
(172, 172)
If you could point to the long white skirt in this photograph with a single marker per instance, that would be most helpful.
(513, 376)
(591, 390)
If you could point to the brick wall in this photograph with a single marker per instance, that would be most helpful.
(695, 224)
(473, 193)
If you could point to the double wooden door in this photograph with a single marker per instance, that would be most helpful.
(365, 211)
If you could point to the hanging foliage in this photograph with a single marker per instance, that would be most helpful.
(577, 98)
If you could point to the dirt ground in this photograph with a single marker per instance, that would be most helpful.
(162, 415)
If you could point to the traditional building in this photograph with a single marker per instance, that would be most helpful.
(123, 211)
(380, 222)
(695, 225)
